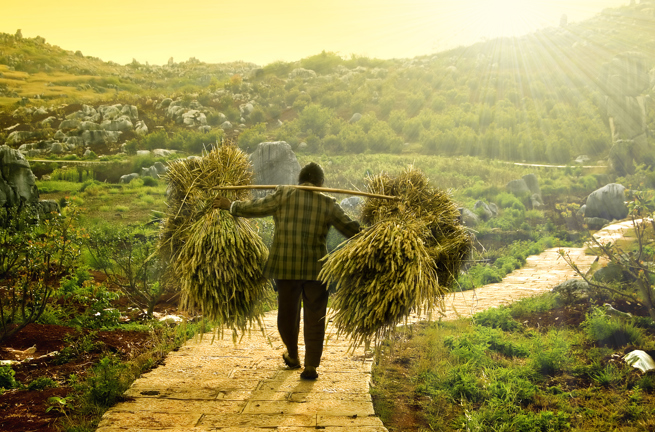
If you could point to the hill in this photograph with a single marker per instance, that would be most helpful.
(538, 98)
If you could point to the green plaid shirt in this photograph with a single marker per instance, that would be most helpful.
(302, 220)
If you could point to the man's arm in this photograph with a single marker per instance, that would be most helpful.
(342, 223)
(260, 207)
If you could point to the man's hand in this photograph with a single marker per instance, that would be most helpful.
(222, 203)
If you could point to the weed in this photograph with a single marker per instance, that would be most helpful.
(7, 380)
(42, 383)
(500, 318)
(108, 382)
(551, 354)
(605, 330)
(76, 347)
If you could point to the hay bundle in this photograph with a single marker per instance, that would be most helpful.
(217, 259)
(406, 261)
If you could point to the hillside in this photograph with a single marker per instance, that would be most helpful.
(538, 98)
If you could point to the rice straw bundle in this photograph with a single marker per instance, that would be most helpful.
(217, 259)
(406, 261)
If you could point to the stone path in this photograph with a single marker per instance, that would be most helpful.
(245, 387)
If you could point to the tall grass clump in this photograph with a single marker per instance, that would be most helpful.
(405, 261)
(215, 258)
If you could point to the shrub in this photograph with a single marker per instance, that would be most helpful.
(550, 354)
(7, 380)
(150, 182)
(500, 318)
(108, 382)
(42, 383)
(604, 330)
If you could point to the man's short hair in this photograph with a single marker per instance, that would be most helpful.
(311, 173)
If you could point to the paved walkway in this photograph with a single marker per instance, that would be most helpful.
(245, 387)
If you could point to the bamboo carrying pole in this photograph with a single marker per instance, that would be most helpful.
(312, 188)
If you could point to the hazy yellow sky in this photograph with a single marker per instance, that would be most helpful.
(263, 31)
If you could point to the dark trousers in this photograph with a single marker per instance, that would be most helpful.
(314, 296)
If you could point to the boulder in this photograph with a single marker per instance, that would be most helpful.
(150, 172)
(482, 209)
(140, 128)
(99, 137)
(17, 182)
(246, 109)
(69, 124)
(582, 159)
(88, 111)
(302, 73)
(19, 137)
(143, 152)
(596, 223)
(533, 183)
(56, 148)
(162, 152)
(494, 209)
(128, 178)
(607, 202)
(110, 112)
(468, 218)
(226, 125)
(274, 163)
(160, 167)
(49, 206)
(130, 111)
(355, 118)
(89, 125)
(164, 103)
(519, 188)
(48, 121)
(74, 141)
(60, 136)
(352, 204)
(573, 289)
(121, 124)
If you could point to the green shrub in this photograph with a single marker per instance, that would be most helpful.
(550, 355)
(150, 182)
(108, 382)
(42, 383)
(500, 318)
(461, 382)
(7, 380)
(608, 376)
(604, 330)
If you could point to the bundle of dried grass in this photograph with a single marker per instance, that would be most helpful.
(406, 261)
(217, 259)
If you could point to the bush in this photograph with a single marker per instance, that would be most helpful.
(499, 318)
(7, 380)
(150, 182)
(604, 330)
(108, 382)
(42, 383)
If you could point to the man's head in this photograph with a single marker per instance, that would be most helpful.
(311, 173)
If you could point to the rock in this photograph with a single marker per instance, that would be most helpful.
(612, 272)
(74, 141)
(519, 188)
(204, 129)
(143, 152)
(274, 163)
(582, 159)
(130, 111)
(88, 110)
(41, 111)
(536, 201)
(160, 167)
(226, 125)
(45, 177)
(162, 152)
(581, 210)
(150, 172)
(468, 218)
(121, 124)
(494, 209)
(352, 204)
(69, 124)
(482, 210)
(88, 153)
(595, 223)
(88, 125)
(128, 178)
(48, 121)
(110, 112)
(355, 118)
(18, 137)
(99, 137)
(573, 289)
(607, 202)
(140, 128)
(533, 183)
(17, 182)
(246, 109)
(302, 73)
(49, 206)
(164, 103)
(57, 148)
(60, 136)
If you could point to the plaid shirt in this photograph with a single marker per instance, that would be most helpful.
(302, 220)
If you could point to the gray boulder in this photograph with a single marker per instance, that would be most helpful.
(355, 118)
(128, 178)
(17, 182)
(140, 128)
(48, 121)
(573, 289)
(162, 152)
(226, 125)
(143, 152)
(246, 109)
(533, 183)
(121, 124)
(49, 206)
(89, 125)
(69, 124)
(596, 223)
(519, 188)
(482, 209)
(160, 167)
(302, 73)
(274, 163)
(607, 202)
(150, 172)
(59, 135)
(19, 137)
(468, 218)
(352, 204)
(74, 141)
(56, 148)
(164, 103)
(110, 112)
(130, 111)
(99, 137)
(494, 209)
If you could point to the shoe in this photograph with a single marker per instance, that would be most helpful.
(309, 373)
(292, 363)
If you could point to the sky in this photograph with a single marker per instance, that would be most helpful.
(264, 31)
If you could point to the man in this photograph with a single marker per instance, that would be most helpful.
(302, 220)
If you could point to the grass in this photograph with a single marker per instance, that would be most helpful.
(491, 373)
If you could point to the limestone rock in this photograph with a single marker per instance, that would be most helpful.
(607, 202)
(47, 122)
(302, 73)
(59, 135)
(130, 111)
(89, 125)
(140, 128)
(17, 182)
(519, 188)
(110, 112)
(99, 137)
(69, 124)
(355, 118)
(128, 178)
(595, 223)
(226, 125)
(352, 204)
(19, 137)
(573, 289)
(150, 172)
(274, 163)
(49, 206)
(482, 209)
(56, 148)
(162, 152)
(468, 218)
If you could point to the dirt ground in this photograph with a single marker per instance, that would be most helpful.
(24, 410)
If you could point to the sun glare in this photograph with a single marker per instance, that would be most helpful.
(495, 18)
